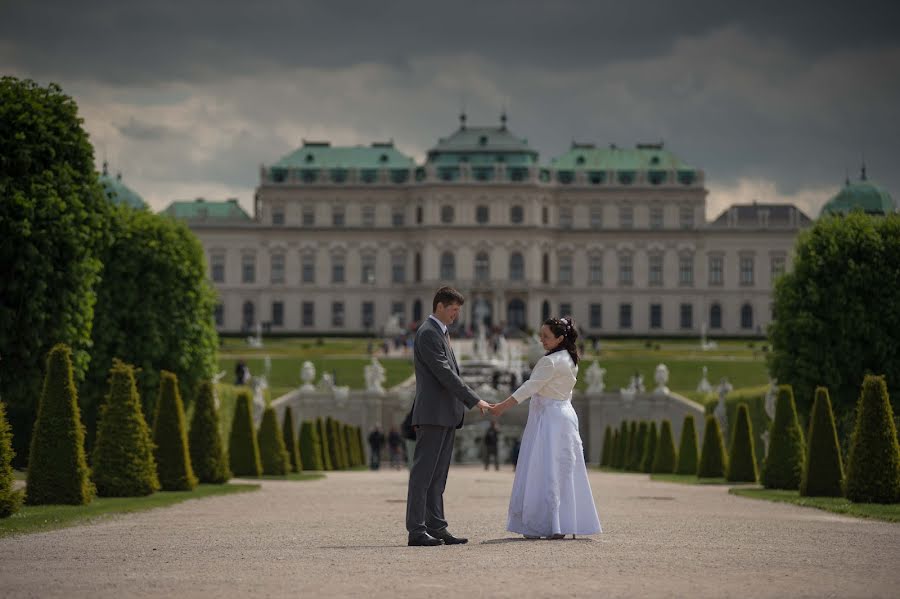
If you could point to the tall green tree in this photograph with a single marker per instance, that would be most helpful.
(310, 446)
(154, 307)
(123, 461)
(837, 312)
(57, 466)
(173, 458)
(650, 443)
(665, 459)
(741, 455)
(272, 452)
(53, 225)
(783, 467)
(713, 461)
(823, 470)
(243, 447)
(687, 449)
(289, 432)
(10, 499)
(873, 471)
(204, 441)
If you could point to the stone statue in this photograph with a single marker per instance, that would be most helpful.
(720, 413)
(639, 383)
(326, 383)
(765, 439)
(661, 376)
(374, 375)
(259, 385)
(307, 375)
(480, 312)
(594, 377)
(771, 395)
(704, 386)
(629, 392)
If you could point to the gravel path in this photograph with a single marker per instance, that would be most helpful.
(344, 536)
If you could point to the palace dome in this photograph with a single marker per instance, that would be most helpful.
(864, 195)
(119, 193)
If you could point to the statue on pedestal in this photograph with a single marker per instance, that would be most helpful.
(720, 412)
(594, 377)
(661, 376)
(375, 377)
(307, 375)
(704, 386)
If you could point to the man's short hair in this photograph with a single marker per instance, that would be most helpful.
(447, 296)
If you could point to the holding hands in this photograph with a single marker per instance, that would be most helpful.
(497, 409)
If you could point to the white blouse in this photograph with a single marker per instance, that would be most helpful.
(553, 376)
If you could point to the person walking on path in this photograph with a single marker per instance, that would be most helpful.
(551, 496)
(376, 441)
(438, 410)
(491, 441)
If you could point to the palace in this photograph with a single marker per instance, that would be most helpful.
(342, 238)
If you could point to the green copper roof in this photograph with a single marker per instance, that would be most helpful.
(482, 146)
(318, 155)
(117, 192)
(644, 157)
(203, 210)
(863, 195)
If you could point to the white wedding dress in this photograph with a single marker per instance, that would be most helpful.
(551, 494)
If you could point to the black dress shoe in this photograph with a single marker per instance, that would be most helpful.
(447, 538)
(423, 540)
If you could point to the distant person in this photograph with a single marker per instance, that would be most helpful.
(239, 372)
(551, 453)
(491, 442)
(395, 447)
(376, 441)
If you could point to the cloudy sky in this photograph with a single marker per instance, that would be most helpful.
(776, 101)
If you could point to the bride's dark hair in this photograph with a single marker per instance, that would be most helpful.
(564, 327)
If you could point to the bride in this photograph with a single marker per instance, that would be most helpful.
(551, 495)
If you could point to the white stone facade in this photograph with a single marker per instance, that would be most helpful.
(638, 260)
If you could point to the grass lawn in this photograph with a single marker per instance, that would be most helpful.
(839, 505)
(688, 479)
(743, 362)
(40, 518)
(296, 476)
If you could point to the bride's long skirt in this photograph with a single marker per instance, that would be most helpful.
(551, 493)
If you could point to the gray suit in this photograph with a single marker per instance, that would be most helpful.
(442, 399)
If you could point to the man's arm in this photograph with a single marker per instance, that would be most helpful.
(437, 361)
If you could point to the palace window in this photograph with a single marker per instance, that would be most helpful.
(398, 268)
(595, 269)
(309, 216)
(278, 215)
(624, 316)
(777, 266)
(655, 272)
(337, 216)
(448, 267)
(277, 269)
(716, 270)
(217, 265)
(715, 316)
(565, 269)
(367, 269)
(596, 217)
(219, 314)
(398, 217)
(746, 270)
(516, 215)
(482, 267)
(596, 316)
(687, 316)
(278, 313)
(626, 217)
(656, 217)
(248, 268)
(746, 316)
(368, 314)
(308, 268)
(368, 216)
(655, 316)
(686, 270)
(337, 269)
(565, 217)
(308, 314)
(626, 270)
(337, 314)
(447, 214)
(516, 267)
(686, 217)
(482, 215)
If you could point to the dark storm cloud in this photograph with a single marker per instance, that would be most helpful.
(191, 95)
(128, 42)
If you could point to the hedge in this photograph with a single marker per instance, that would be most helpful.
(741, 456)
(10, 499)
(650, 444)
(243, 448)
(664, 461)
(873, 470)
(289, 433)
(173, 460)
(783, 467)
(272, 452)
(823, 470)
(687, 449)
(310, 446)
(204, 441)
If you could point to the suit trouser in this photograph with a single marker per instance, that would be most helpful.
(428, 477)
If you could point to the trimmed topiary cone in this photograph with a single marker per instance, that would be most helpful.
(622, 448)
(10, 499)
(123, 460)
(350, 440)
(173, 460)
(324, 444)
(712, 456)
(823, 470)
(334, 448)
(783, 467)
(873, 470)
(57, 466)
(243, 448)
(629, 445)
(637, 450)
(687, 449)
(616, 442)
(310, 447)
(649, 448)
(607, 443)
(204, 440)
(359, 442)
(664, 460)
(272, 452)
(342, 444)
(741, 455)
(290, 440)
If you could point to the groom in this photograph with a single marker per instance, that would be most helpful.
(438, 410)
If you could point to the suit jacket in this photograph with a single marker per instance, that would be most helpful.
(442, 398)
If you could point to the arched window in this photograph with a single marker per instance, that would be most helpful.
(546, 268)
(746, 316)
(515, 314)
(418, 267)
(417, 310)
(545, 310)
(448, 266)
(447, 214)
(715, 316)
(249, 315)
(516, 214)
(482, 215)
(482, 266)
(516, 267)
